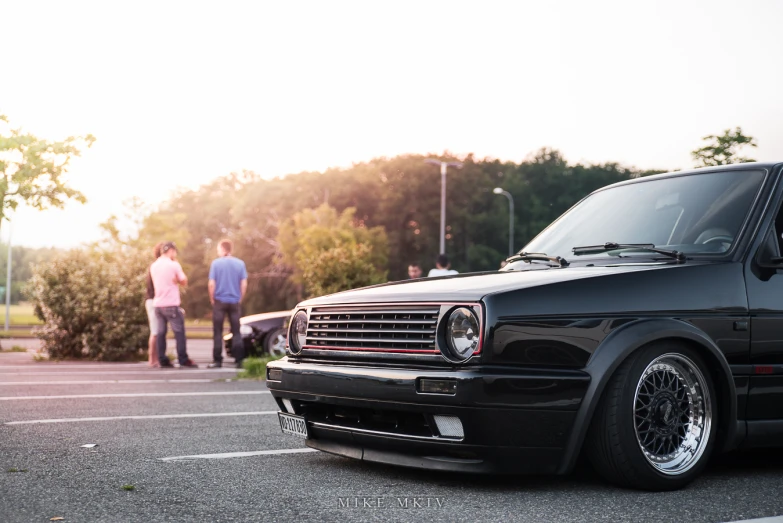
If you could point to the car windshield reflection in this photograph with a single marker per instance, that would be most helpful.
(699, 214)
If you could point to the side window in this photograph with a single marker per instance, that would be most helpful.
(773, 242)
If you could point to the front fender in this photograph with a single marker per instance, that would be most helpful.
(618, 346)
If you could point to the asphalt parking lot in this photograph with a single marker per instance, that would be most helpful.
(197, 446)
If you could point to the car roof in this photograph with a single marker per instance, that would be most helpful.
(701, 170)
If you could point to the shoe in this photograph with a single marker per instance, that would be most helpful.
(215, 365)
(166, 365)
(188, 365)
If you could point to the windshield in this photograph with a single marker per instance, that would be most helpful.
(693, 214)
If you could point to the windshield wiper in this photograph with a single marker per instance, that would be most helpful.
(537, 256)
(611, 246)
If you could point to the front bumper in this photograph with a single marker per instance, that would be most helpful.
(514, 420)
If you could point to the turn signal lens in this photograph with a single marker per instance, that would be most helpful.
(428, 386)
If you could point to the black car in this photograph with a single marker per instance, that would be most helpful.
(262, 334)
(642, 329)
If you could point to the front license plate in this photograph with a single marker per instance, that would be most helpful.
(292, 424)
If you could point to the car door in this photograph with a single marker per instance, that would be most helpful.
(764, 281)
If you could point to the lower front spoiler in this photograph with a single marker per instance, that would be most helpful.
(440, 456)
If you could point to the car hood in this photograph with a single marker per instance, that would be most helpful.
(264, 316)
(475, 286)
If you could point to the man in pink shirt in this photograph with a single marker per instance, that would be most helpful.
(167, 276)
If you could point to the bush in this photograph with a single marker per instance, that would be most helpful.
(92, 304)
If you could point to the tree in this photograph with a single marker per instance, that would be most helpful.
(332, 252)
(32, 169)
(723, 149)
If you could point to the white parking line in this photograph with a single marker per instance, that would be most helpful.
(238, 454)
(773, 519)
(103, 382)
(73, 366)
(105, 370)
(135, 395)
(156, 416)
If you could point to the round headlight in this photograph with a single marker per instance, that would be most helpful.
(245, 330)
(462, 333)
(298, 332)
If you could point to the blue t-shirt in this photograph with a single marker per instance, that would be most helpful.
(228, 272)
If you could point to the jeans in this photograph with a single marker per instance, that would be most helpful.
(219, 312)
(174, 316)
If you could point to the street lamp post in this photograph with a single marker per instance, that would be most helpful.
(507, 194)
(443, 167)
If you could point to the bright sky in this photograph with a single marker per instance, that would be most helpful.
(178, 93)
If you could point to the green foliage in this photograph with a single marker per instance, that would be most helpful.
(254, 368)
(723, 149)
(128, 487)
(32, 169)
(331, 252)
(92, 304)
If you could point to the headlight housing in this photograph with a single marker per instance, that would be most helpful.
(245, 330)
(462, 334)
(297, 334)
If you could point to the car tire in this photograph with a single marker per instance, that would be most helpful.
(656, 424)
(274, 343)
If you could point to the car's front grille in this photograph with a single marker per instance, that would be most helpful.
(403, 328)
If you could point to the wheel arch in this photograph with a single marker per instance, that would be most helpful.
(633, 336)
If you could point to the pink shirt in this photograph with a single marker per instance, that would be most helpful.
(164, 271)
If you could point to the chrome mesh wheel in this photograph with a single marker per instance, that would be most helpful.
(672, 413)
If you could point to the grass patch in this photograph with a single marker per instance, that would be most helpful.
(17, 470)
(15, 332)
(255, 368)
(15, 348)
(40, 356)
(23, 315)
(128, 487)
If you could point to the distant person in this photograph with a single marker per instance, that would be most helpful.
(227, 288)
(167, 276)
(442, 267)
(149, 305)
(415, 271)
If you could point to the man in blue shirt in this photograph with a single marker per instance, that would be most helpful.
(227, 287)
